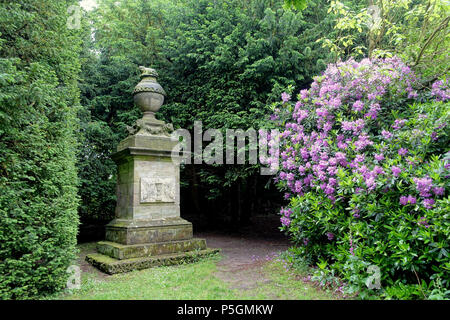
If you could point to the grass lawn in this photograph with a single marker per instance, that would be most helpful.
(192, 281)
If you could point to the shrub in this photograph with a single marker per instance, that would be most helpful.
(38, 181)
(364, 169)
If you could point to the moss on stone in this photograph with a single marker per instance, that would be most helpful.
(113, 266)
(120, 251)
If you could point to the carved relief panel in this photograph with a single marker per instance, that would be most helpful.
(157, 190)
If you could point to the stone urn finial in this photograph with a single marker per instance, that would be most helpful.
(148, 94)
(149, 97)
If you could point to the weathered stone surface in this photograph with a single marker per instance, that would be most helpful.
(155, 190)
(148, 94)
(163, 144)
(112, 266)
(148, 231)
(120, 251)
(148, 186)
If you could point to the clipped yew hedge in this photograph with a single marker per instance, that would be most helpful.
(38, 180)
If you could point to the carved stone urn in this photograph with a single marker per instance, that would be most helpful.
(148, 94)
(147, 230)
(149, 97)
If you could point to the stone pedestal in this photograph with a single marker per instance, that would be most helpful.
(147, 229)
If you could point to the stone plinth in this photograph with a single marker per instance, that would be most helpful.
(147, 230)
(148, 193)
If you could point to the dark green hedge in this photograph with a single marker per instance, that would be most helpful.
(38, 180)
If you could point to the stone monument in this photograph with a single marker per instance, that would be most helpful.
(147, 230)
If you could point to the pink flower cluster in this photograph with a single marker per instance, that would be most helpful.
(343, 87)
(426, 190)
(336, 125)
(441, 90)
(285, 216)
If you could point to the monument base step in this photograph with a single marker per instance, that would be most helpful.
(112, 266)
(121, 251)
(130, 232)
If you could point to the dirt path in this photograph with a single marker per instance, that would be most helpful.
(244, 257)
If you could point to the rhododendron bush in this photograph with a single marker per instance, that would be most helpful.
(363, 165)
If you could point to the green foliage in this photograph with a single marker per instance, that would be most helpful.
(220, 62)
(416, 31)
(38, 182)
(365, 166)
(412, 257)
(297, 4)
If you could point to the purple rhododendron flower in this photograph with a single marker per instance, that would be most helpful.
(377, 170)
(407, 200)
(285, 216)
(370, 183)
(428, 203)
(285, 221)
(439, 191)
(363, 142)
(423, 185)
(399, 123)
(434, 136)
(386, 134)
(379, 157)
(358, 105)
(403, 200)
(396, 171)
(411, 199)
(285, 97)
(352, 251)
(304, 93)
(330, 236)
(441, 90)
(347, 125)
(402, 151)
